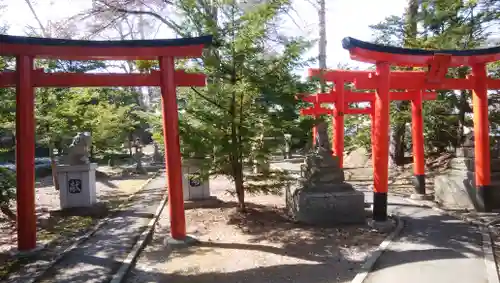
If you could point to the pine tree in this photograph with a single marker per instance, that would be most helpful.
(251, 85)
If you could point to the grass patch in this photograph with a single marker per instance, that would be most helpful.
(65, 226)
(11, 264)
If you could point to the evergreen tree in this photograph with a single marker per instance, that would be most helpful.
(251, 91)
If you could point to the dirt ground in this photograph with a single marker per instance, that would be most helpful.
(61, 231)
(261, 245)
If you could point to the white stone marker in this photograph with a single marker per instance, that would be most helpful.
(77, 185)
(194, 188)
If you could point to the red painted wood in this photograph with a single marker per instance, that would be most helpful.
(313, 111)
(438, 68)
(172, 148)
(481, 127)
(409, 80)
(416, 82)
(358, 111)
(370, 56)
(100, 53)
(25, 154)
(492, 83)
(316, 111)
(41, 79)
(417, 132)
(338, 116)
(364, 96)
(381, 134)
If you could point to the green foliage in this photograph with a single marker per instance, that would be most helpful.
(251, 91)
(443, 24)
(7, 186)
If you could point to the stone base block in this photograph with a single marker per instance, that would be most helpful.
(29, 253)
(97, 210)
(382, 226)
(195, 186)
(77, 185)
(421, 197)
(326, 208)
(183, 243)
(457, 190)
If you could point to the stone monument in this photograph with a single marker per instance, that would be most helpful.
(260, 160)
(287, 153)
(456, 188)
(76, 179)
(138, 155)
(195, 185)
(158, 158)
(321, 196)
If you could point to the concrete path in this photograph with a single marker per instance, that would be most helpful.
(97, 259)
(431, 248)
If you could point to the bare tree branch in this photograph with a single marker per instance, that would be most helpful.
(42, 27)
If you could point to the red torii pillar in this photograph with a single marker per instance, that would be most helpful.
(481, 135)
(173, 160)
(25, 49)
(25, 154)
(438, 63)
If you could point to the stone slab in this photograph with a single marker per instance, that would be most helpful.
(457, 190)
(326, 208)
(77, 168)
(467, 163)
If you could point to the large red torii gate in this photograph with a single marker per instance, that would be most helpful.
(25, 79)
(438, 62)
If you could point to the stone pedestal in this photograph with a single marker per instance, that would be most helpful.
(321, 197)
(194, 186)
(77, 185)
(326, 208)
(456, 188)
(261, 167)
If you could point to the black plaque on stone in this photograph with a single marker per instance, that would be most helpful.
(74, 186)
(194, 180)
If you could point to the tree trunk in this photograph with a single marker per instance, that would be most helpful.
(236, 166)
(130, 139)
(462, 102)
(322, 40)
(397, 143)
(398, 129)
(236, 161)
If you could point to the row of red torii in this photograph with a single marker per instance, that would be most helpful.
(25, 78)
(418, 86)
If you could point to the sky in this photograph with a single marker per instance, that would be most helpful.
(343, 18)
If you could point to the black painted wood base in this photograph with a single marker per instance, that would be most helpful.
(379, 206)
(485, 198)
(419, 183)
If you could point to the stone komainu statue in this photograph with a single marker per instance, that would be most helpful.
(79, 150)
(322, 142)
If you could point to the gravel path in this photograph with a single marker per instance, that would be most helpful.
(102, 254)
(258, 246)
(47, 199)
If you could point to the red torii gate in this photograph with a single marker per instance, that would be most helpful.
(339, 94)
(25, 79)
(438, 62)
